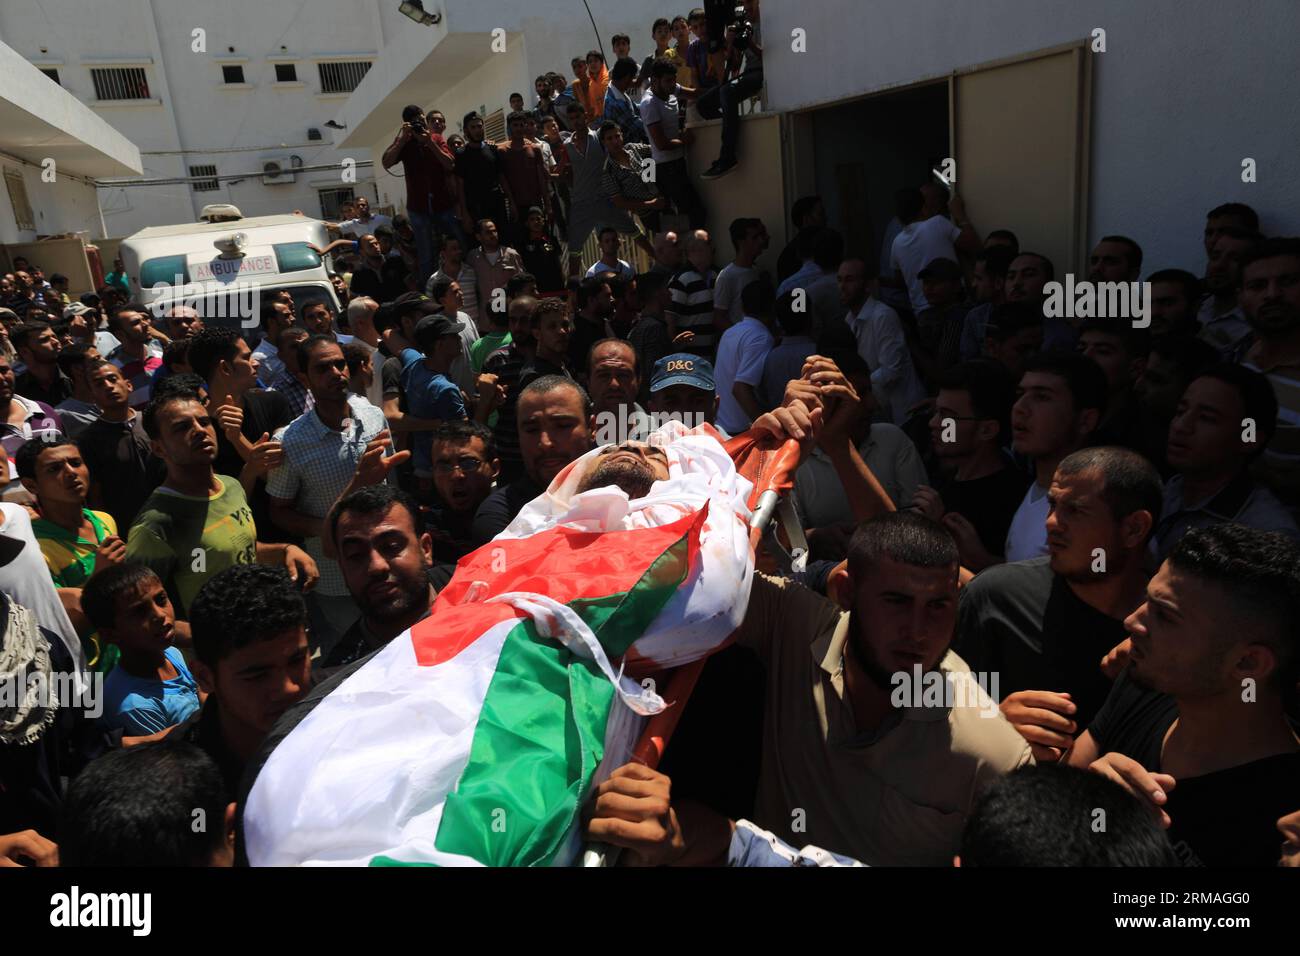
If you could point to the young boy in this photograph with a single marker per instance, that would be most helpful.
(151, 688)
(74, 540)
(251, 659)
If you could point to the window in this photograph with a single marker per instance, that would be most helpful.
(205, 185)
(342, 76)
(120, 83)
(286, 73)
(494, 126)
(53, 74)
(332, 199)
(23, 216)
(232, 74)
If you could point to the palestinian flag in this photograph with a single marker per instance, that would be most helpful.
(475, 737)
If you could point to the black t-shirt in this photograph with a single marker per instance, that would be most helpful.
(451, 532)
(499, 509)
(585, 334)
(203, 729)
(507, 364)
(542, 258)
(538, 367)
(789, 261)
(1225, 818)
(1025, 624)
(989, 503)
(479, 167)
(264, 412)
(122, 467)
(60, 388)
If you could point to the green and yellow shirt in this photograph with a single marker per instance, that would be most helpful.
(187, 539)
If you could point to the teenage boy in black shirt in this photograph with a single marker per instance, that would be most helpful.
(249, 625)
(1197, 724)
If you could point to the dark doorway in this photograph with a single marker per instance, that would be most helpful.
(867, 150)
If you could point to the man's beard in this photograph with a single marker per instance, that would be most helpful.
(634, 477)
(412, 593)
(1278, 319)
(875, 669)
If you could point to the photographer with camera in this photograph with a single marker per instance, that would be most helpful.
(744, 50)
(427, 163)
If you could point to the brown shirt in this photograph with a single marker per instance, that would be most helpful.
(899, 797)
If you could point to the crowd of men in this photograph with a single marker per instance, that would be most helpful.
(1087, 527)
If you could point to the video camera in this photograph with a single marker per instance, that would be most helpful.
(722, 15)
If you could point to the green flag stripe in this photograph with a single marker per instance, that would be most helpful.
(541, 730)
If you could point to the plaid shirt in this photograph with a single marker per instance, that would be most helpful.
(318, 464)
(294, 391)
(621, 108)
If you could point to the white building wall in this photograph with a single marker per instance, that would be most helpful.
(232, 129)
(1184, 92)
(63, 206)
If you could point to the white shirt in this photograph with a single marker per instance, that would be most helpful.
(664, 112)
(919, 244)
(375, 393)
(894, 381)
(742, 351)
(1027, 536)
(624, 270)
(462, 370)
(727, 287)
(26, 580)
(355, 228)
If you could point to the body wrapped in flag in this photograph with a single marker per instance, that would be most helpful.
(475, 737)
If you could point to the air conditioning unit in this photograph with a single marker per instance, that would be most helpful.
(277, 169)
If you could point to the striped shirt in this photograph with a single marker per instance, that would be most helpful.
(318, 464)
(139, 371)
(628, 181)
(468, 282)
(692, 308)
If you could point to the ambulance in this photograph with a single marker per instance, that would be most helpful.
(226, 268)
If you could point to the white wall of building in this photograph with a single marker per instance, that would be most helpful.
(65, 205)
(51, 148)
(192, 109)
(1184, 92)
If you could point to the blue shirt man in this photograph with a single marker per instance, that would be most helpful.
(430, 392)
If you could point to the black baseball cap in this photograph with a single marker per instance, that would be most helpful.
(435, 327)
(390, 313)
(940, 269)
